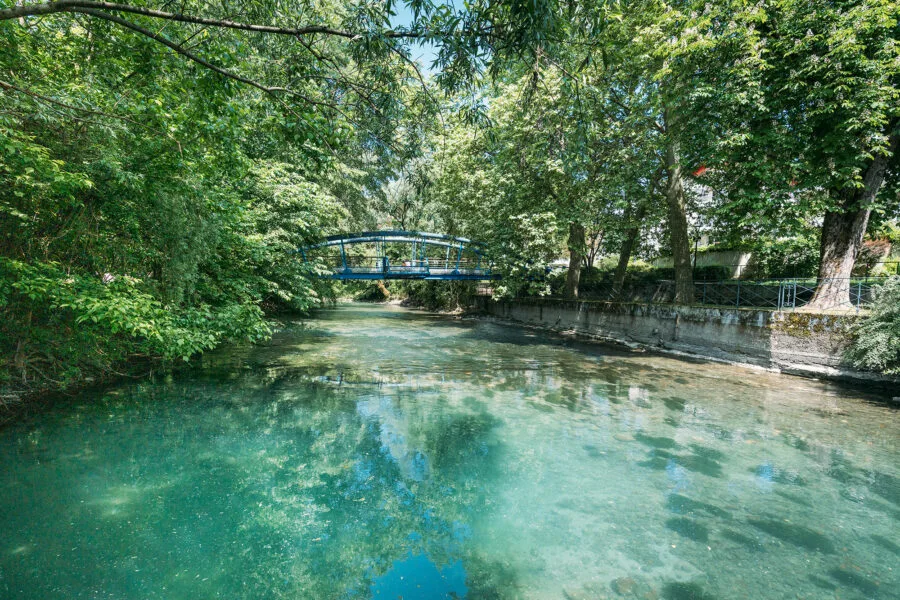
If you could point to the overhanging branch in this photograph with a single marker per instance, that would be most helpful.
(271, 91)
(90, 111)
(176, 48)
(89, 7)
(105, 10)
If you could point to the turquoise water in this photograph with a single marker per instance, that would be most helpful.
(376, 452)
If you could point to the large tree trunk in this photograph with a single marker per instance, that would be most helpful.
(631, 236)
(678, 229)
(576, 255)
(842, 235)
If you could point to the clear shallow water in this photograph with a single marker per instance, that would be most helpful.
(376, 452)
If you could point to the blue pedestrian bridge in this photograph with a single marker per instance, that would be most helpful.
(394, 254)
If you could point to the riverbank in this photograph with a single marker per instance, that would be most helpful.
(66, 361)
(796, 343)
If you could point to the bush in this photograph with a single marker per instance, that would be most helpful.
(713, 273)
(58, 327)
(373, 292)
(876, 339)
(438, 295)
(794, 257)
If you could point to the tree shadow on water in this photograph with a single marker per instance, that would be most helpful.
(800, 536)
(657, 463)
(886, 486)
(656, 442)
(855, 580)
(674, 403)
(709, 453)
(689, 528)
(683, 505)
(794, 498)
(886, 543)
(702, 463)
(684, 591)
(822, 583)
(748, 542)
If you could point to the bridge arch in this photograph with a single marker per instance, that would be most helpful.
(398, 254)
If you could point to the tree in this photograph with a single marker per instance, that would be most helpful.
(151, 205)
(623, 59)
(494, 185)
(545, 164)
(806, 103)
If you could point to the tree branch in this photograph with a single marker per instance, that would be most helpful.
(100, 10)
(174, 47)
(344, 77)
(8, 86)
(271, 91)
(86, 5)
(421, 79)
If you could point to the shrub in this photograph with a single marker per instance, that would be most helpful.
(373, 292)
(876, 339)
(59, 326)
(438, 295)
(793, 257)
(713, 273)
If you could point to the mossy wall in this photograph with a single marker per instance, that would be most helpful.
(797, 342)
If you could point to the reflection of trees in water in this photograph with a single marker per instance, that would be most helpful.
(363, 457)
(337, 492)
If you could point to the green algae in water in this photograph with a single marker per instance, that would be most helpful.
(378, 452)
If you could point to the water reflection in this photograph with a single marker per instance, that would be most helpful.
(379, 453)
(418, 578)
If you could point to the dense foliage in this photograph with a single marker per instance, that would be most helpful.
(159, 168)
(646, 125)
(876, 340)
(438, 295)
(151, 200)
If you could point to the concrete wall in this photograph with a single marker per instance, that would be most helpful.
(793, 342)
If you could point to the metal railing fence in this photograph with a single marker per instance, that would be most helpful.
(788, 294)
(776, 294)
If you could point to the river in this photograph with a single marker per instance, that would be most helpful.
(380, 452)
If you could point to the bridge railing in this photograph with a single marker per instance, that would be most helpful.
(411, 269)
(375, 265)
(394, 254)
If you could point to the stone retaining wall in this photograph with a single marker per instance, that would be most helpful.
(793, 342)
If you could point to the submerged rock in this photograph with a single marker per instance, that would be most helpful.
(624, 585)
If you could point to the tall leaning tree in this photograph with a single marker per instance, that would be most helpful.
(808, 112)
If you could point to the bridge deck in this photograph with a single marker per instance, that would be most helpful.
(379, 255)
(399, 272)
